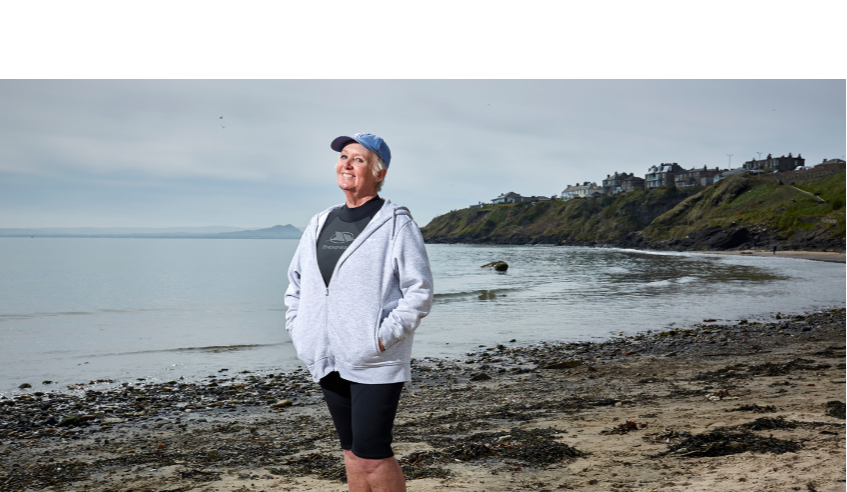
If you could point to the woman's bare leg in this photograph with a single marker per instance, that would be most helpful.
(364, 475)
(356, 481)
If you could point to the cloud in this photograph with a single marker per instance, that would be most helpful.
(455, 142)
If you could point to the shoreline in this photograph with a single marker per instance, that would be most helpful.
(829, 256)
(633, 412)
(81, 364)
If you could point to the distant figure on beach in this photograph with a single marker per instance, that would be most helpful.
(359, 284)
(774, 249)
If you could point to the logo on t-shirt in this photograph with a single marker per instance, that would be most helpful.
(340, 240)
(342, 237)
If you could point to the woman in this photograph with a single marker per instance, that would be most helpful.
(359, 285)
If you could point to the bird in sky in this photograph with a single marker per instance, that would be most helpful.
(222, 117)
(223, 126)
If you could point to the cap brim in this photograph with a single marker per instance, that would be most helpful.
(339, 143)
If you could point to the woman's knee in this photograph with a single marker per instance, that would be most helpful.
(369, 466)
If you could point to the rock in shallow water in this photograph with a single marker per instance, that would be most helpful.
(500, 266)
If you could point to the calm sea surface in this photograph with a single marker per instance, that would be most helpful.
(75, 310)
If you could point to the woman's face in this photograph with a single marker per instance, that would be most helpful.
(354, 172)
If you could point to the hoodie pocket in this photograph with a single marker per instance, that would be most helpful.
(308, 335)
(304, 347)
(355, 341)
(377, 326)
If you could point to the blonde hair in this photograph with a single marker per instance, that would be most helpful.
(377, 166)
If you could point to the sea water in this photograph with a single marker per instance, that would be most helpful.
(80, 310)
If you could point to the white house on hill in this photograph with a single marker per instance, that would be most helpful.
(583, 190)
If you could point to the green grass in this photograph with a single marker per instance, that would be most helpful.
(757, 195)
(740, 200)
(829, 188)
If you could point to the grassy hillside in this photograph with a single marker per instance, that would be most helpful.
(577, 220)
(753, 210)
(759, 205)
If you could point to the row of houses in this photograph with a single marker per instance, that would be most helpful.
(658, 176)
(783, 164)
(664, 175)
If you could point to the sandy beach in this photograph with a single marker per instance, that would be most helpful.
(832, 256)
(731, 405)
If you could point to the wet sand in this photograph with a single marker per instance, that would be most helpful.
(731, 405)
(801, 255)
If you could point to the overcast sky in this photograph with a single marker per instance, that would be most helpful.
(155, 153)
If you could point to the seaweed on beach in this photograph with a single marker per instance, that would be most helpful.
(570, 404)
(454, 422)
(576, 402)
(55, 473)
(753, 408)
(798, 364)
(735, 371)
(534, 447)
(836, 409)
(744, 371)
(722, 442)
(200, 475)
(450, 423)
(596, 402)
(519, 412)
(323, 465)
(623, 428)
(768, 423)
(832, 352)
(677, 392)
(415, 472)
(41, 476)
(667, 436)
(780, 383)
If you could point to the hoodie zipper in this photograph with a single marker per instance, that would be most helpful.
(326, 303)
(326, 325)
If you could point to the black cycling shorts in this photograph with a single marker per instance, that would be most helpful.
(363, 414)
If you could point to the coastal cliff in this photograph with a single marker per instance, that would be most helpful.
(739, 212)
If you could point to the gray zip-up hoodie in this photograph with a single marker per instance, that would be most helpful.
(380, 289)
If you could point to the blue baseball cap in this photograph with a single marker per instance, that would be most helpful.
(367, 140)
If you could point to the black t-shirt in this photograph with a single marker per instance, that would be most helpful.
(342, 227)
